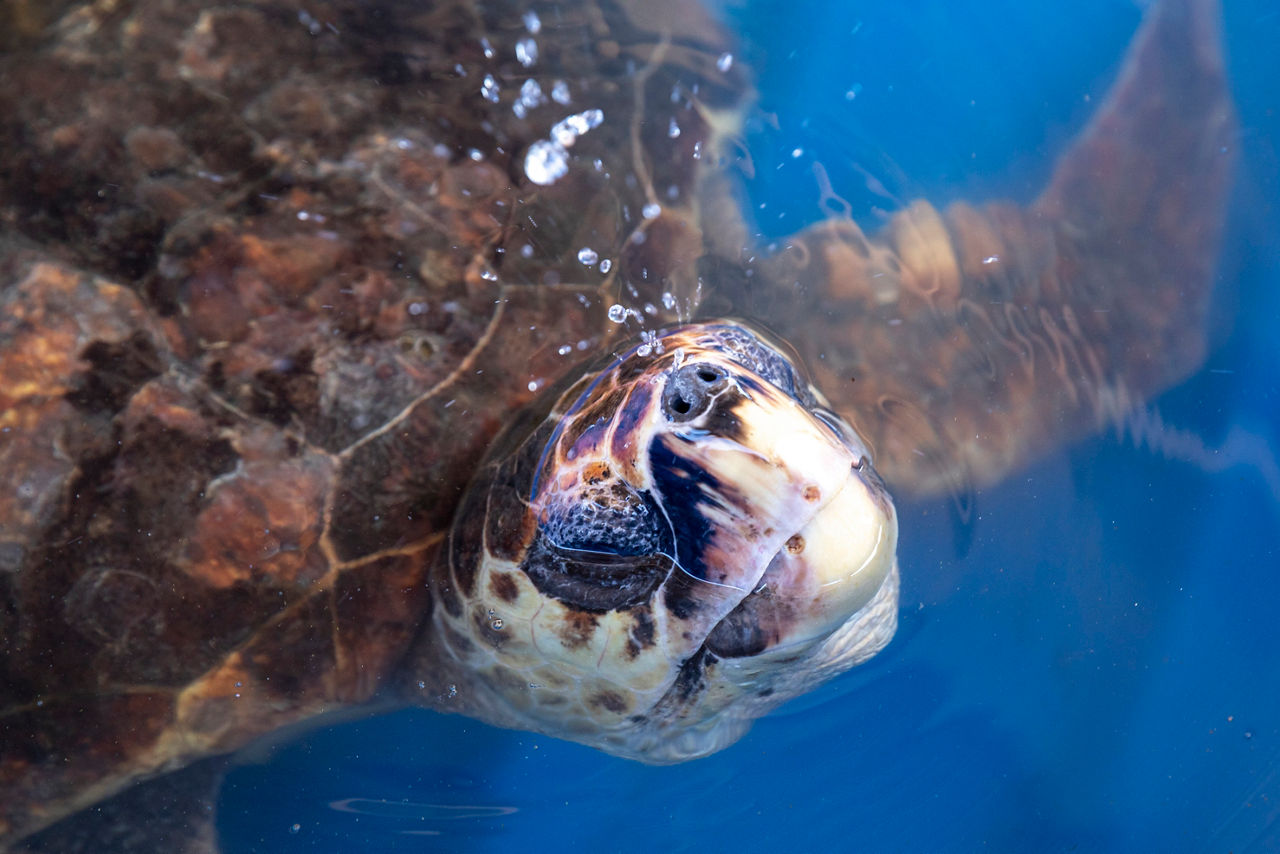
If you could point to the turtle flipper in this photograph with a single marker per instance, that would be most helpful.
(964, 343)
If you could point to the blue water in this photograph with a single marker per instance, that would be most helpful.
(1099, 671)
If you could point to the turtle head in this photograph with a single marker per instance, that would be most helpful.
(680, 541)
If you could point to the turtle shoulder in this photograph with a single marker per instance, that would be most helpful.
(269, 310)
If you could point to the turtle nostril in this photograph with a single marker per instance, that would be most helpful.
(691, 389)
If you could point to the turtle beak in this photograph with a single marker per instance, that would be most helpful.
(834, 566)
(795, 526)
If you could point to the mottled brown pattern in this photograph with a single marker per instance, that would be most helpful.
(577, 629)
(503, 587)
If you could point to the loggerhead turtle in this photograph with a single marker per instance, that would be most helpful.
(281, 279)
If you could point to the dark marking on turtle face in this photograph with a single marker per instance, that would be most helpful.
(628, 421)
(641, 635)
(509, 525)
(503, 587)
(577, 628)
(594, 581)
(466, 541)
(756, 624)
(681, 595)
(722, 420)
(685, 487)
(610, 701)
(692, 677)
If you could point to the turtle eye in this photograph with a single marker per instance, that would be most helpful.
(609, 521)
(603, 551)
(690, 390)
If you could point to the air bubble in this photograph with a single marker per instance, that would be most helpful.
(668, 301)
(496, 624)
(560, 92)
(651, 210)
(617, 313)
(488, 48)
(564, 350)
(532, 22)
(489, 89)
(527, 52)
(531, 94)
(533, 385)
(797, 152)
(673, 129)
(606, 265)
(725, 62)
(295, 827)
(546, 162)
(526, 251)
(567, 130)
(588, 256)
(488, 275)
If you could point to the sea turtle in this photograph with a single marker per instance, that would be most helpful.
(281, 279)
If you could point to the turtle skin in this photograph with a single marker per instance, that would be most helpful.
(265, 309)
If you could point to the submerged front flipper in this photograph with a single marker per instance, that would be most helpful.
(963, 344)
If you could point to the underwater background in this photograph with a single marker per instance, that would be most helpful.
(1090, 661)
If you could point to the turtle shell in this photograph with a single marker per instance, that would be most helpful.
(264, 310)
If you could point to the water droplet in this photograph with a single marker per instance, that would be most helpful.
(531, 94)
(725, 62)
(606, 265)
(673, 129)
(489, 88)
(587, 255)
(617, 313)
(668, 301)
(560, 92)
(651, 210)
(546, 162)
(532, 22)
(527, 52)
(567, 130)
